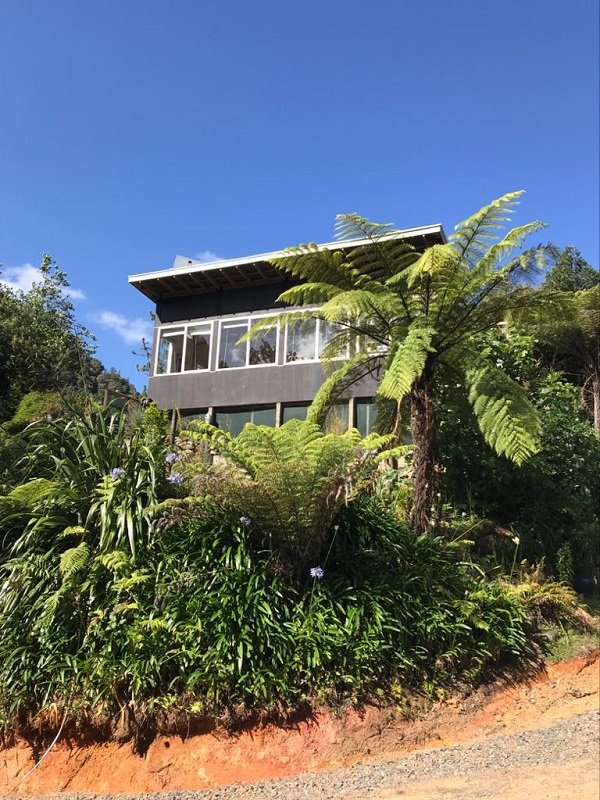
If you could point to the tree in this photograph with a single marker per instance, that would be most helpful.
(413, 320)
(571, 272)
(570, 341)
(42, 346)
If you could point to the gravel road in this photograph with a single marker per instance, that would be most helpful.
(573, 741)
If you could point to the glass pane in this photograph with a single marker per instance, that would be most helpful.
(294, 412)
(302, 341)
(336, 420)
(263, 349)
(264, 416)
(233, 421)
(162, 359)
(198, 348)
(327, 332)
(230, 353)
(366, 414)
(170, 351)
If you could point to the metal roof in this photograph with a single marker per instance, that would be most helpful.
(190, 276)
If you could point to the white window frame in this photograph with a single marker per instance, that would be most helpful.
(181, 328)
(249, 319)
(317, 359)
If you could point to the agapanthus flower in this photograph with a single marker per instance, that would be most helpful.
(245, 520)
(317, 572)
(175, 478)
(172, 458)
(117, 472)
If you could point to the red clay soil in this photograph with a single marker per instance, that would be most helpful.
(216, 759)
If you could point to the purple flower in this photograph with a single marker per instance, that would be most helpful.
(117, 472)
(175, 478)
(245, 520)
(317, 572)
(172, 458)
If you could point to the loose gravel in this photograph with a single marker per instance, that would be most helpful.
(571, 740)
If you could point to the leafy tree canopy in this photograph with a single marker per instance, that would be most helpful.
(571, 272)
(42, 346)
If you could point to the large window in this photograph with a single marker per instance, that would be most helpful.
(183, 349)
(307, 338)
(261, 349)
(366, 416)
(234, 421)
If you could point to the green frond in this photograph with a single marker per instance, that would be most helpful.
(353, 226)
(439, 262)
(310, 264)
(473, 236)
(358, 304)
(334, 385)
(74, 560)
(508, 421)
(115, 560)
(264, 324)
(407, 363)
(34, 492)
(504, 248)
(308, 293)
(72, 530)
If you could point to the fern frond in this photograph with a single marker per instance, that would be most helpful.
(308, 293)
(407, 363)
(473, 236)
(439, 262)
(333, 386)
(353, 226)
(502, 249)
(74, 560)
(115, 561)
(310, 264)
(508, 421)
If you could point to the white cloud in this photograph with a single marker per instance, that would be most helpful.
(22, 278)
(208, 255)
(132, 331)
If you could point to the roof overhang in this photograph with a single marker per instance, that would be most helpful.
(189, 276)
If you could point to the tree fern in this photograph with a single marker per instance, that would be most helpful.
(407, 364)
(423, 310)
(508, 421)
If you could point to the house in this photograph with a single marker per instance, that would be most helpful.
(197, 365)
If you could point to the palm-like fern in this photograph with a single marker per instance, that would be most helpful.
(426, 310)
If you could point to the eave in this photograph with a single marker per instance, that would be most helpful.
(196, 277)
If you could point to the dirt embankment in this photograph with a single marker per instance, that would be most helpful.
(266, 752)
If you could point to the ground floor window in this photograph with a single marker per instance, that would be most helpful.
(234, 420)
(366, 416)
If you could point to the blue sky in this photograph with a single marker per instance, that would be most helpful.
(131, 131)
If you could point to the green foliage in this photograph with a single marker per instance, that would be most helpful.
(415, 319)
(44, 349)
(35, 406)
(551, 500)
(571, 273)
(290, 481)
(207, 619)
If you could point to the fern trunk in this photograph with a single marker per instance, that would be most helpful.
(423, 431)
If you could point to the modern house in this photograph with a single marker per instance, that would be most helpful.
(198, 367)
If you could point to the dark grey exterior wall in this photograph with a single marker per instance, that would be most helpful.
(220, 304)
(252, 386)
(229, 388)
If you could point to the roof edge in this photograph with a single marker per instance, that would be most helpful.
(198, 266)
